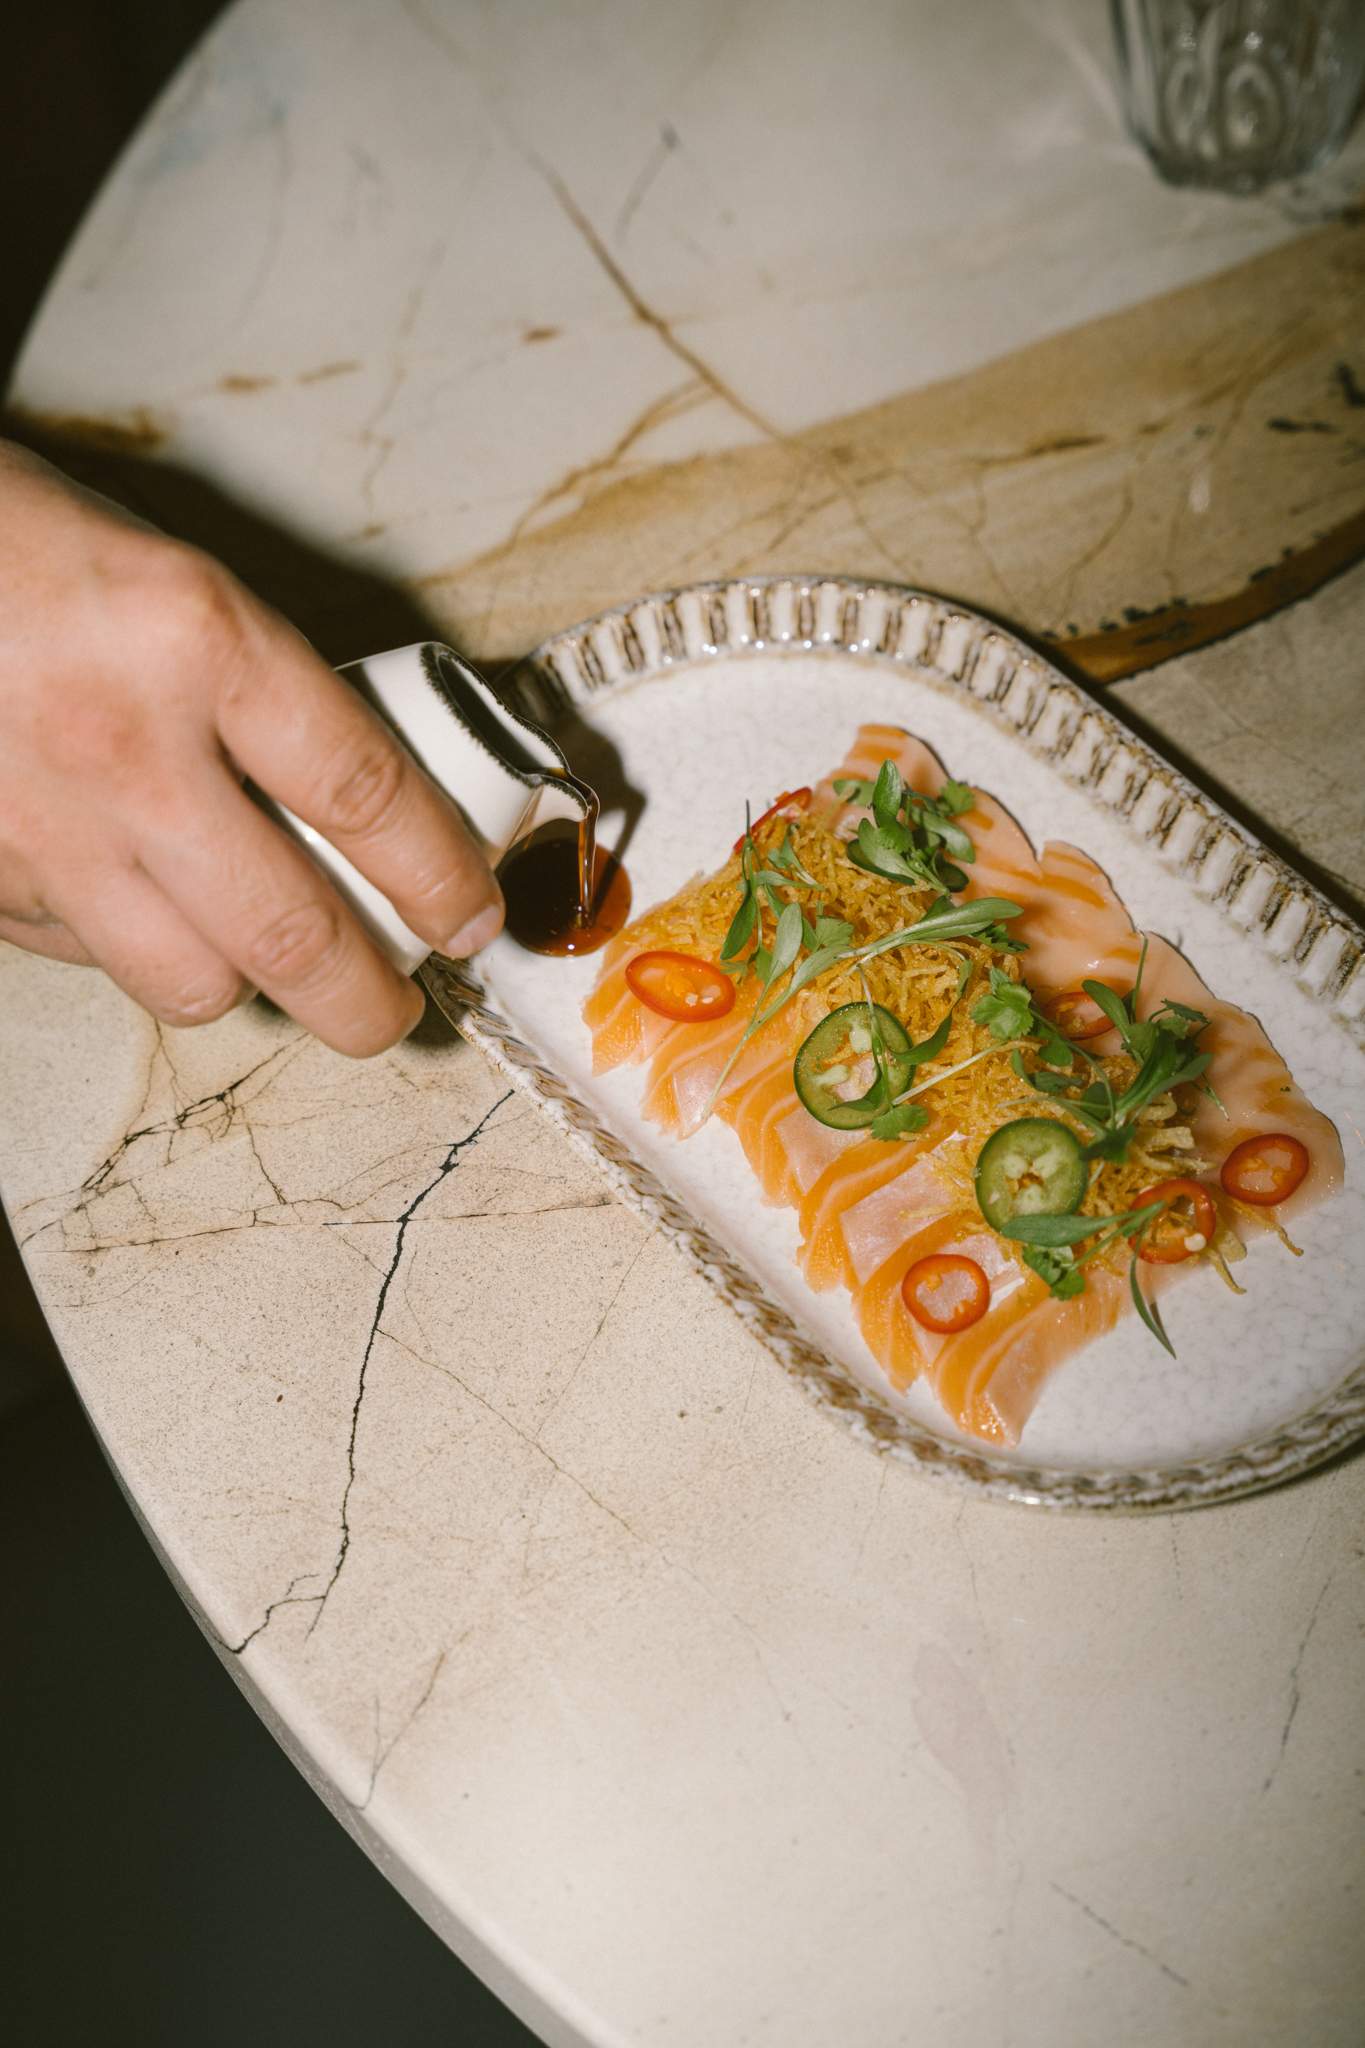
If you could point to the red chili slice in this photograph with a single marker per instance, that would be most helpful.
(799, 797)
(678, 985)
(1266, 1169)
(946, 1292)
(1076, 1015)
(1175, 1241)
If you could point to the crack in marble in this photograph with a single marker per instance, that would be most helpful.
(260, 1219)
(873, 1513)
(667, 143)
(641, 308)
(1295, 1694)
(319, 1600)
(582, 1358)
(381, 444)
(1118, 1934)
(221, 1098)
(287, 1599)
(531, 1442)
(190, 1116)
(382, 1755)
(1105, 539)
(278, 127)
(447, 1166)
(963, 1545)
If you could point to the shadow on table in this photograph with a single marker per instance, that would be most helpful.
(1108, 695)
(345, 611)
(168, 1878)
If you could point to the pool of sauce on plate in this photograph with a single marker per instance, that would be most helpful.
(565, 893)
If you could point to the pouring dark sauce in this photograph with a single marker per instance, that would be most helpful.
(564, 892)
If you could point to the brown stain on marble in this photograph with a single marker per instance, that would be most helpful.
(139, 431)
(325, 370)
(531, 335)
(239, 383)
(1117, 487)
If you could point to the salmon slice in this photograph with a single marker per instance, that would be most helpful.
(919, 765)
(903, 1347)
(884, 1218)
(809, 1147)
(768, 1121)
(851, 1177)
(688, 1062)
(761, 1102)
(623, 1029)
(1005, 863)
(1256, 1087)
(1080, 931)
(988, 1378)
(889, 1331)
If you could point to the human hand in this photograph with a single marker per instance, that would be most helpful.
(139, 683)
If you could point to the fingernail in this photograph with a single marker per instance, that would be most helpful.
(480, 931)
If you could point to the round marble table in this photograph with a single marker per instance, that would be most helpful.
(681, 1715)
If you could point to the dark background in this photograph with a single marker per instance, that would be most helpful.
(166, 1877)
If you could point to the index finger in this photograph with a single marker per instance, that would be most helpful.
(307, 739)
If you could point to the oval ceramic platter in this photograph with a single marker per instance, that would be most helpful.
(681, 707)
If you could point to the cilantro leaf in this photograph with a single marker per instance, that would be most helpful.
(1007, 1010)
(929, 1048)
(1058, 1268)
(899, 1121)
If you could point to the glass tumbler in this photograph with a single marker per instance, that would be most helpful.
(1236, 93)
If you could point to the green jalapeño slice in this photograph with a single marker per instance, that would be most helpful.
(832, 1055)
(1033, 1167)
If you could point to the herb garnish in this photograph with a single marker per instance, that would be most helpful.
(1009, 1011)
(1049, 1250)
(1162, 1046)
(912, 836)
(909, 837)
(945, 920)
(827, 944)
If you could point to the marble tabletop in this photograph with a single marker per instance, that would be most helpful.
(681, 1715)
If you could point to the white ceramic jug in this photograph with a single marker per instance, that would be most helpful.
(505, 774)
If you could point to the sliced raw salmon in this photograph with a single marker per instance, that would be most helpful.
(1254, 1085)
(868, 1209)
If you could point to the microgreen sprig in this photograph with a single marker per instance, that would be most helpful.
(945, 920)
(760, 885)
(830, 936)
(1161, 1045)
(1049, 1251)
(910, 838)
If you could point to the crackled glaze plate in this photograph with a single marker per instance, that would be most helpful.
(678, 708)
